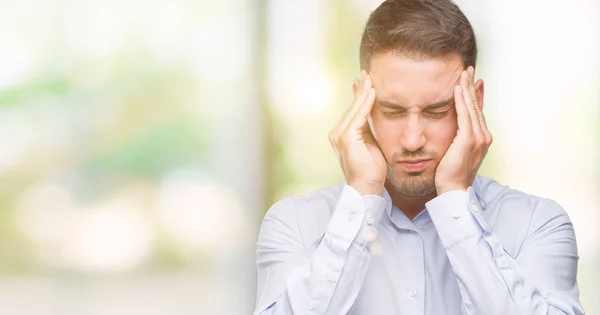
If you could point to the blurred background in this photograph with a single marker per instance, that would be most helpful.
(143, 141)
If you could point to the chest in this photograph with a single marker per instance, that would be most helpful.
(409, 273)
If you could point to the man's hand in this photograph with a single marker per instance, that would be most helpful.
(361, 159)
(458, 167)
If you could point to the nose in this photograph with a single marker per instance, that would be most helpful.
(413, 137)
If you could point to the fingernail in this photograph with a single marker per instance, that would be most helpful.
(464, 75)
(367, 79)
(362, 74)
(471, 71)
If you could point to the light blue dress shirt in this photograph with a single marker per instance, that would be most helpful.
(490, 250)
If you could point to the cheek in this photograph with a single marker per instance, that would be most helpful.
(387, 133)
(440, 135)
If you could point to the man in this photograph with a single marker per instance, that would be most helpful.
(413, 230)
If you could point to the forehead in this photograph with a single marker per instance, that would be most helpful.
(411, 82)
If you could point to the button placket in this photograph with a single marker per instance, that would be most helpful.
(370, 219)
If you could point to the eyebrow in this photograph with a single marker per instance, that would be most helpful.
(431, 106)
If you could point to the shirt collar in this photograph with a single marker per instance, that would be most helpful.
(400, 220)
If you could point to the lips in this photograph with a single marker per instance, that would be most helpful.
(413, 165)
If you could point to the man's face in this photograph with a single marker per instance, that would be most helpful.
(413, 118)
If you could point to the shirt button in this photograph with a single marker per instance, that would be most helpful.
(413, 292)
(351, 215)
(475, 208)
(456, 214)
(370, 220)
(330, 277)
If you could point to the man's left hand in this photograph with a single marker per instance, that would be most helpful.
(458, 167)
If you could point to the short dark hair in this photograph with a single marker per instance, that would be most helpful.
(418, 29)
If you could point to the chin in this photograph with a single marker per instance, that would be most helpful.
(401, 176)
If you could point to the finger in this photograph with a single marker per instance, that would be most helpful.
(356, 89)
(464, 82)
(471, 73)
(360, 118)
(335, 133)
(359, 104)
(476, 126)
(482, 121)
(476, 101)
(479, 106)
(358, 100)
(486, 132)
(347, 115)
(462, 113)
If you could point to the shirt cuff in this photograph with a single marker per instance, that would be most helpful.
(455, 215)
(354, 212)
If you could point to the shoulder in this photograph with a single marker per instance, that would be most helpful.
(306, 215)
(515, 215)
(498, 199)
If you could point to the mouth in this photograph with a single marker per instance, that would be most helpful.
(413, 165)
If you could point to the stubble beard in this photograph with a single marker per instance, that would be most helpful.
(413, 185)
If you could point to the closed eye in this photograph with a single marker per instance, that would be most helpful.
(437, 114)
(392, 113)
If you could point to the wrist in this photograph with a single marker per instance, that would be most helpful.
(444, 189)
(368, 188)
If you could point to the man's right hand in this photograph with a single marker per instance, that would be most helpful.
(360, 157)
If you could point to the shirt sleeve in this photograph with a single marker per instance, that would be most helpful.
(324, 278)
(540, 280)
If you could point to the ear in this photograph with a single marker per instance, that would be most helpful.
(479, 91)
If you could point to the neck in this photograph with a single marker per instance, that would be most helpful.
(409, 205)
